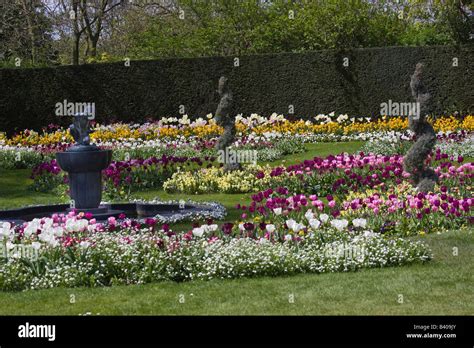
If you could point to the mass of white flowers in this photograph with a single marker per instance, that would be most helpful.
(463, 148)
(131, 256)
(391, 143)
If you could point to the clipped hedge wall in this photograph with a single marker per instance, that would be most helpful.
(313, 82)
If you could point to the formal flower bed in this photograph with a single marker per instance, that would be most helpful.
(336, 175)
(76, 251)
(211, 180)
(400, 210)
(268, 147)
(177, 128)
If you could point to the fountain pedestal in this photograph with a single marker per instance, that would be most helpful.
(84, 165)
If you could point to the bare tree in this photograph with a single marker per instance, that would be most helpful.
(128, 19)
(29, 12)
(94, 13)
(71, 11)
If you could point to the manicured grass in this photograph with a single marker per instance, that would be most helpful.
(320, 150)
(14, 190)
(444, 286)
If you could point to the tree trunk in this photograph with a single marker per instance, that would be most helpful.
(93, 48)
(77, 33)
(75, 49)
(31, 34)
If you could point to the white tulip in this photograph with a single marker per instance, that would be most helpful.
(314, 223)
(270, 228)
(212, 227)
(198, 231)
(47, 223)
(324, 217)
(309, 215)
(359, 223)
(369, 234)
(339, 224)
(6, 230)
(84, 244)
(290, 223)
(297, 227)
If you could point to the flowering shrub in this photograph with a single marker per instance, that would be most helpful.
(75, 251)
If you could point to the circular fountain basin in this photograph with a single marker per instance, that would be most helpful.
(165, 212)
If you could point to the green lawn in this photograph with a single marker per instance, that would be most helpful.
(442, 286)
(320, 150)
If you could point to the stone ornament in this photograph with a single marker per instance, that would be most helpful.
(80, 129)
(226, 119)
(424, 178)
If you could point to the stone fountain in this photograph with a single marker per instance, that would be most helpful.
(84, 164)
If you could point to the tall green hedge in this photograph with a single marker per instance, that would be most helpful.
(313, 82)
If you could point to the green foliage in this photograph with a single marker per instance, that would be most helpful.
(191, 28)
(215, 28)
(440, 21)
